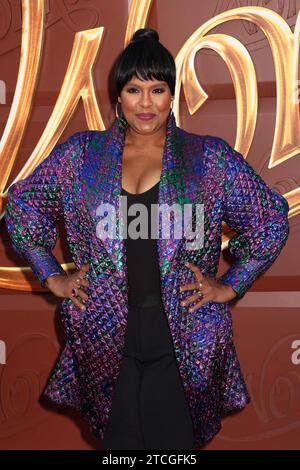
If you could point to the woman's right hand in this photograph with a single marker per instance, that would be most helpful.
(70, 286)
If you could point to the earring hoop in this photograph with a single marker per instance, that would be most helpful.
(116, 109)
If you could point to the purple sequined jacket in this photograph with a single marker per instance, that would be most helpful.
(85, 171)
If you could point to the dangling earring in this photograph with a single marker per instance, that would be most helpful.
(121, 118)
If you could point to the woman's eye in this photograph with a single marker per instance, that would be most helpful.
(135, 89)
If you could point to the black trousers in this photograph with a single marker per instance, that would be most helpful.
(149, 408)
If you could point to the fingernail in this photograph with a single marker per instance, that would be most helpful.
(82, 308)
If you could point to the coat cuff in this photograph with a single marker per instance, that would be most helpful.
(240, 276)
(43, 264)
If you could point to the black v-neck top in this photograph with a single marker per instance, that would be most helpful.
(142, 257)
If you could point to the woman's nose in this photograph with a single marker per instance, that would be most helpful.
(146, 100)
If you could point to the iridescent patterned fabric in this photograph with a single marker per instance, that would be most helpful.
(85, 171)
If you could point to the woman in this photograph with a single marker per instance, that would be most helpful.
(149, 359)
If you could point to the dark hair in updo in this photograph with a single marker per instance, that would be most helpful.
(146, 58)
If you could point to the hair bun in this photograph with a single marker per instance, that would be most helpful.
(145, 33)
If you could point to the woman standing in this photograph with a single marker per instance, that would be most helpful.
(148, 363)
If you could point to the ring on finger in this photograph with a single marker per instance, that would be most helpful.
(78, 281)
(199, 289)
(74, 291)
(200, 285)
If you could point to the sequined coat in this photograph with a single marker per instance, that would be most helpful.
(70, 183)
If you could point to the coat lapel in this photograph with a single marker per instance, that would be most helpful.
(173, 186)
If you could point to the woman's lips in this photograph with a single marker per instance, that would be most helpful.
(145, 116)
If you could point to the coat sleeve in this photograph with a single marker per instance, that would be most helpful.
(258, 215)
(34, 206)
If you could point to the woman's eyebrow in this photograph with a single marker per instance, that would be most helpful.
(151, 86)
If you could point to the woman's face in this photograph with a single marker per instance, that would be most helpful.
(145, 97)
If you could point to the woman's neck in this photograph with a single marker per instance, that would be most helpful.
(134, 139)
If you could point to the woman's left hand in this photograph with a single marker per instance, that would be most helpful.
(211, 290)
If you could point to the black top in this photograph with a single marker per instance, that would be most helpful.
(142, 259)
